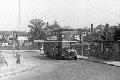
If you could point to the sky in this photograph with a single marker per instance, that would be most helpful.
(75, 13)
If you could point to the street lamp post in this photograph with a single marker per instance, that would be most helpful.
(14, 34)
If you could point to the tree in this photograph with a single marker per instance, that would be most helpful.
(107, 33)
(116, 35)
(36, 30)
(86, 34)
(4, 39)
(53, 26)
(47, 27)
(104, 32)
(96, 35)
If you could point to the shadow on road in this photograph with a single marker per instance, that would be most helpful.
(36, 54)
(43, 57)
(29, 51)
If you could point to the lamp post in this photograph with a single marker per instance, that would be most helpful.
(14, 34)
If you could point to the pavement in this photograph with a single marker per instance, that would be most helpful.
(108, 62)
(12, 68)
(25, 65)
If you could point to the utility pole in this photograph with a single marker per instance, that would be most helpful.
(19, 23)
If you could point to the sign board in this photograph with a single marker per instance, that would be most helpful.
(77, 37)
(52, 38)
(22, 38)
(38, 40)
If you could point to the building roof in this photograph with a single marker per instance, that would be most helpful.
(70, 32)
(67, 27)
(23, 33)
(64, 31)
(5, 32)
(99, 28)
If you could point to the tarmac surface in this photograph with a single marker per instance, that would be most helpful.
(39, 67)
(11, 67)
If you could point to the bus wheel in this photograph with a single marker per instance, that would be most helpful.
(47, 53)
(75, 58)
(63, 58)
(57, 57)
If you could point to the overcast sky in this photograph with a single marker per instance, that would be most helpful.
(76, 13)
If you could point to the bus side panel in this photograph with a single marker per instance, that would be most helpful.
(79, 49)
(52, 49)
(45, 48)
(49, 49)
(65, 44)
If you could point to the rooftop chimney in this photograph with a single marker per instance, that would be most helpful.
(91, 30)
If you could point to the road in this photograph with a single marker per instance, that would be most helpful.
(50, 69)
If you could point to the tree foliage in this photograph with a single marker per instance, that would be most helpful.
(107, 33)
(36, 29)
(55, 25)
(116, 35)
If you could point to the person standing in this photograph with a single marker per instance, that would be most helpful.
(18, 58)
(88, 51)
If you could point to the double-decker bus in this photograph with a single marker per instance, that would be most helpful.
(59, 43)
